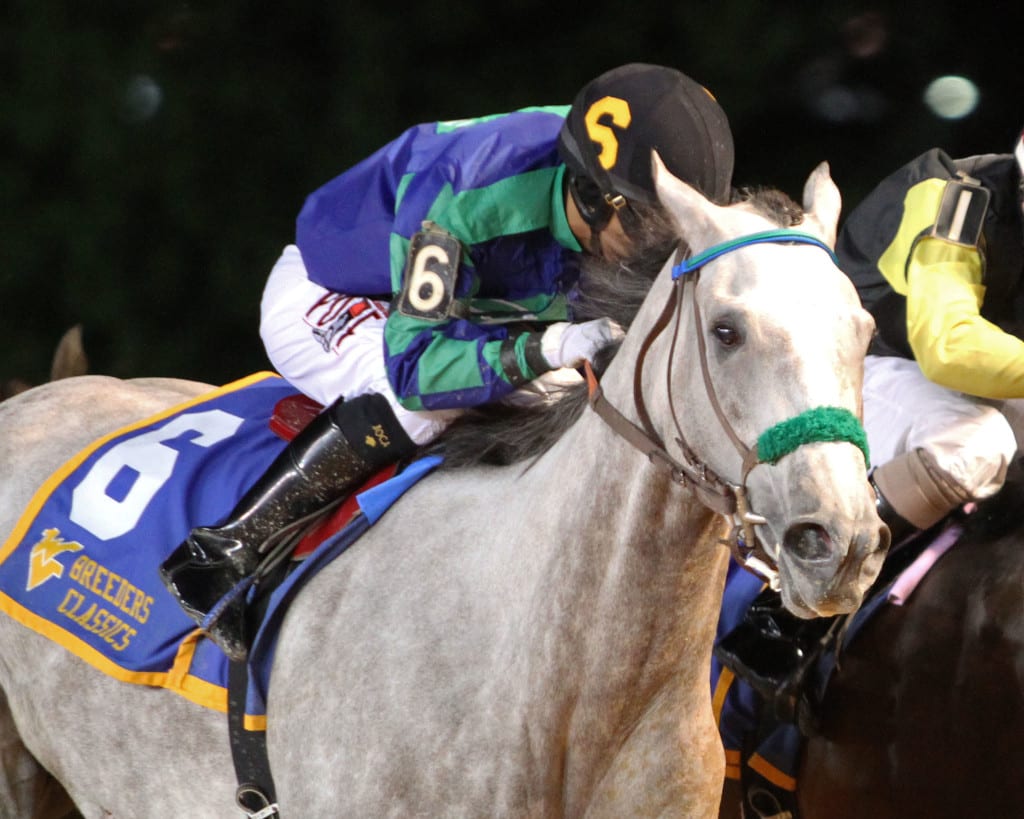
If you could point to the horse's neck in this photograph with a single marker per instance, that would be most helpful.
(633, 570)
(627, 601)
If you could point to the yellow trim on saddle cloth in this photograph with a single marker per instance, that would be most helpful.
(771, 773)
(725, 680)
(733, 765)
(255, 723)
(733, 758)
(177, 679)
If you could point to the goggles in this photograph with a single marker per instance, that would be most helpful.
(595, 206)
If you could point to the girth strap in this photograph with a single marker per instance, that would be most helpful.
(255, 793)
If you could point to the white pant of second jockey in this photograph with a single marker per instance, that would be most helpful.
(330, 346)
(970, 440)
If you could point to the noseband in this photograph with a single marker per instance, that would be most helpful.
(729, 499)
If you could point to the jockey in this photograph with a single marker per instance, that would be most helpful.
(936, 252)
(438, 274)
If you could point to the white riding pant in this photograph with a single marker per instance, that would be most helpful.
(971, 439)
(330, 345)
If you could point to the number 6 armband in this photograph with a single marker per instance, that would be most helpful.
(428, 283)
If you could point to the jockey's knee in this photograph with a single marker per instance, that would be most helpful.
(917, 489)
(970, 442)
(967, 462)
(983, 451)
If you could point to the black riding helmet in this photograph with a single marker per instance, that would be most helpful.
(619, 117)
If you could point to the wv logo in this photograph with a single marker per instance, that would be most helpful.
(42, 561)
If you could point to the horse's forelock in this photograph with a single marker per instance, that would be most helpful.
(771, 203)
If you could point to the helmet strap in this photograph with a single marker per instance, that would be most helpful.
(595, 209)
(614, 203)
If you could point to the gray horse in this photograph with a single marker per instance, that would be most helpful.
(506, 641)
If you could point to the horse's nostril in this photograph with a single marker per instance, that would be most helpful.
(808, 541)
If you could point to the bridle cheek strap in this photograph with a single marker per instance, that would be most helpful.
(819, 424)
(713, 493)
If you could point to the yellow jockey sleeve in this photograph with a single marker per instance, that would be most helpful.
(952, 343)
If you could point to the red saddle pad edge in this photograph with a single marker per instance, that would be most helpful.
(340, 516)
(292, 414)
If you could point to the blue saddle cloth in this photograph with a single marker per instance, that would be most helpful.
(80, 566)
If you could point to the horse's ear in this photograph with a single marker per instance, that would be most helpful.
(693, 213)
(69, 358)
(822, 203)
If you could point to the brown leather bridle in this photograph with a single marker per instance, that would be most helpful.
(719, 495)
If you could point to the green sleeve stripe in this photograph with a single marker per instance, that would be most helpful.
(446, 365)
(398, 249)
(403, 186)
(518, 204)
(560, 220)
(542, 307)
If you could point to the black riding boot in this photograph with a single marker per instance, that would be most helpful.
(339, 450)
(772, 650)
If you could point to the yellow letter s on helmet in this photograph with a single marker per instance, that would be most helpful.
(603, 135)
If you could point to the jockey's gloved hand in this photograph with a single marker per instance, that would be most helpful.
(569, 345)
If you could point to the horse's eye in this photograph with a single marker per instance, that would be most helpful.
(727, 335)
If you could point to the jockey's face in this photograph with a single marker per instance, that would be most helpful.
(611, 243)
(615, 244)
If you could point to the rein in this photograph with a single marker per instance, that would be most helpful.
(821, 424)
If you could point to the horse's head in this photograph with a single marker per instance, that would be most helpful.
(765, 386)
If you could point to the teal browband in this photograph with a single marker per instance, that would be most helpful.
(774, 236)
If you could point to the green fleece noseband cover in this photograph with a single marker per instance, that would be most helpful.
(814, 425)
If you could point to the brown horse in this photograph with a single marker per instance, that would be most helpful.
(925, 714)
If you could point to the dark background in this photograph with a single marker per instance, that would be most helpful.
(153, 156)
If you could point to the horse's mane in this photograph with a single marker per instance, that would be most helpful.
(502, 434)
